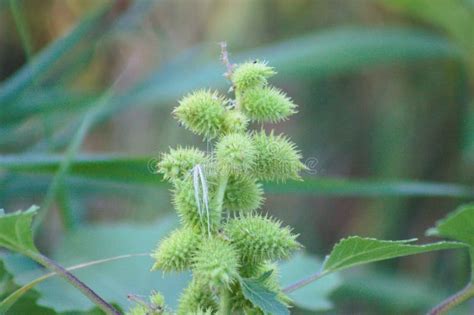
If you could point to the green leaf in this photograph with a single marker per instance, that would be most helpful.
(457, 225)
(261, 297)
(355, 250)
(15, 231)
(114, 280)
(315, 296)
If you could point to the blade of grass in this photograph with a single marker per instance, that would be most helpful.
(73, 148)
(136, 170)
(88, 121)
(21, 26)
(86, 30)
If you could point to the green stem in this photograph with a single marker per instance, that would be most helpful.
(81, 286)
(224, 307)
(6, 303)
(304, 282)
(453, 301)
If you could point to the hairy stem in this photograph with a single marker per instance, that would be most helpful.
(6, 303)
(224, 307)
(454, 300)
(69, 277)
(303, 282)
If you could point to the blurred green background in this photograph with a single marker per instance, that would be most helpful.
(385, 123)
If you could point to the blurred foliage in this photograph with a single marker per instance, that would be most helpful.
(386, 121)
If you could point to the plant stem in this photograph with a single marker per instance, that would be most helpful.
(303, 282)
(69, 277)
(6, 303)
(224, 307)
(454, 300)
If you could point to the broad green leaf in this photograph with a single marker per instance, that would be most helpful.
(314, 296)
(457, 225)
(141, 170)
(355, 250)
(15, 231)
(114, 280)
(261, 297)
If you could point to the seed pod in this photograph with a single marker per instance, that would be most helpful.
(197, 296)
(277, 158)
(202, 112)
(235, 154)
(176, 251)
(243, 194)
(251, 74)
(184, 200)
(267, 104)
(216, 263)
(259, 238)
(235, 122)
(178, 163)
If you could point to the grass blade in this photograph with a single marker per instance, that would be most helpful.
(134, 170)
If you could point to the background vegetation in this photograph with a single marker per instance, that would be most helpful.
(385, 123)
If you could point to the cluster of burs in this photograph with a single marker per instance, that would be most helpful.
(222, 238)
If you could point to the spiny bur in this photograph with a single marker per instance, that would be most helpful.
(267, 104)
(196, 297)
(260, 238)
(235, 154)
(222, 240)
(251, 74)
(216, 263)
(277, 158)
(203, 113)
(178, 163)
(176, 251)
(243, 194)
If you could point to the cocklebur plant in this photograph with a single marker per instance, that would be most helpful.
(222, 239)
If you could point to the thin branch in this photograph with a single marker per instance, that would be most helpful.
(225, 60)
(81, 286)
(453, 301)
(303, 282)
